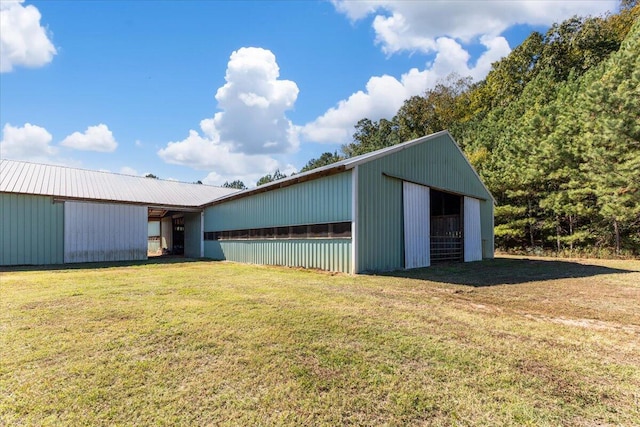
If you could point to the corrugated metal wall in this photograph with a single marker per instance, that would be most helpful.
(31, 230)
(417, 247)
(192, 235)
(472, 230)
(324, 254)
(96, 232)
(436, 163)
(319, 201)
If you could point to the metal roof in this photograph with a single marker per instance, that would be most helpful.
(80, 184)
(343, 165)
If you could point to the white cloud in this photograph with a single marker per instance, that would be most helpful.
(236, 143)
(95, 138)
(202, 152)
(429, 27)
(126, 170)
(416, 25)
(384, 95)
(23, 41)
(254, 102)
(29, 142)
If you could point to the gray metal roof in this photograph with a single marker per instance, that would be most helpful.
(70, 183)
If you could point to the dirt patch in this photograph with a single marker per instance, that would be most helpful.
(587, 323)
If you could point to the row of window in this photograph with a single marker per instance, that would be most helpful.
(334, 230)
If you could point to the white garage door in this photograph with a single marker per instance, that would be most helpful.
(416, 225)
(96, 232)
(472, 230)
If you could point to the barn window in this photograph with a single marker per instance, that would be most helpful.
(319, 230)
(340, 229)
(299, 232)
(335, 230)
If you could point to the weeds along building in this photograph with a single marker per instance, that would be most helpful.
(404, 206)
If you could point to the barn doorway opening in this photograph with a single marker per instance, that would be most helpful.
(166, 232)
(447, 241)
(178, 236)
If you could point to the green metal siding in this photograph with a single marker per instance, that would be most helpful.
(324, 254)
(322, 200)
(192, 235)
(31, 229)
(435, 163)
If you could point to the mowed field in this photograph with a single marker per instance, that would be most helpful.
(511, 341)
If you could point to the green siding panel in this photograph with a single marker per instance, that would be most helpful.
(192, 235)
(322, 200)
(324, 254)
(436, 163)
(31, 230)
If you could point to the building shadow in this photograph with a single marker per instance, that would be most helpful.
(504, 271)
(165, 259)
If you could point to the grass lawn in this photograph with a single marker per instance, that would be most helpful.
(504, 342)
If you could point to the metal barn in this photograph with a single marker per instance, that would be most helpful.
(54, 215)
(401, 207)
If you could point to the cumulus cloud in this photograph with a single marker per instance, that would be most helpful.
(29, 142)
(384, 95)
(126, 170)
(416, 25)
(23, 41)
(95, 138)
(203, 152)
(254, 102)
(433, 27)
(237, 142)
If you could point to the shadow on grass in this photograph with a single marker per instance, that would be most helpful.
(504, 271)
(110, 264)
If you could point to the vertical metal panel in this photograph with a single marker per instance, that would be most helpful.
(416, 225)
(486, 218)
(192, 235)
(166, 233)
(472, 230)
(354, 221)
(95, 232)
(323, 254)
(322, 200)
(30, 230)
(435, 163)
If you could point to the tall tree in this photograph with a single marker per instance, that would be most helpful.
(612, 139)
(324, 160)
(235, 184)
(371, 136)
(271, 177)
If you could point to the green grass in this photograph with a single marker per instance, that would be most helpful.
(506, 342)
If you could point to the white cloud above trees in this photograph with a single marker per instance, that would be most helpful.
(416, 25)
(95, 138)
(23, 40)
(384, 95)
(439, 28)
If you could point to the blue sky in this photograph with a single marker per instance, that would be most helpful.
(217, 91)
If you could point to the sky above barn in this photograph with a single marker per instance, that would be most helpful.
(224, 90)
